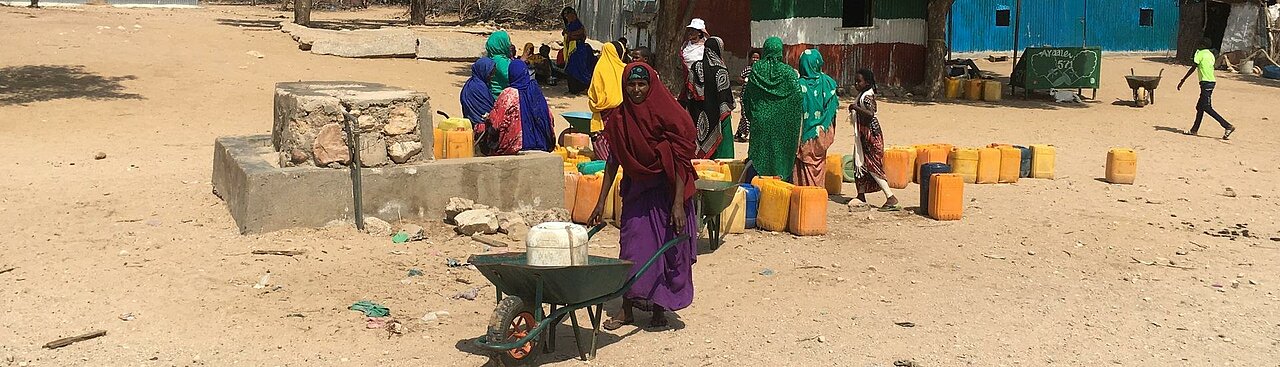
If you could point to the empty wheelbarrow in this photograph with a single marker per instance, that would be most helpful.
(1148, 85)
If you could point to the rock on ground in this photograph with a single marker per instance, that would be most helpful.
(377, 227)
(477, 221)
(456, 206)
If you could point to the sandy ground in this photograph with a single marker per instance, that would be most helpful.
(1038, 273)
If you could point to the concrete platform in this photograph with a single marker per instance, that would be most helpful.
(263, 197)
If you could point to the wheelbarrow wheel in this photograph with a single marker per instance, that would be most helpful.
(512, 320)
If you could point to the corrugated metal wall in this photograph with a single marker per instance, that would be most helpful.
(897, 64)
(1110, 24)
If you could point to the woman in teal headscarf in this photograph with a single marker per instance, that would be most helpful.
(774, 96)
(816, 134)
(498, 48)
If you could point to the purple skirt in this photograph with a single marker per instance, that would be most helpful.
(646, 213)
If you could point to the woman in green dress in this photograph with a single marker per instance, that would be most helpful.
(775, 99)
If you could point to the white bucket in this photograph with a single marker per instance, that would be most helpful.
(557, 244)
(1246, 67)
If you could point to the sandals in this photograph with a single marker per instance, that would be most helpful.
(615, 324)
(1227, 135)
(890, 208)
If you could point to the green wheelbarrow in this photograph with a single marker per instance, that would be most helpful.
(516, 328)
(713, 198)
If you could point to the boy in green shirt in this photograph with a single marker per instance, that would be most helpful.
(1204, 62)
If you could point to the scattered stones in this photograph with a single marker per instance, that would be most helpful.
(414, 232)
(100, 156)
(535, 217)
(1229, 192)
(403, 120)
(377, 227)
(767, 272)
(373, 150)
(456, 206)
(404, 151)
(127, 316)
(435, 317)
(507, 221)
(415, 272)
(469, 294)
(255, 54)
(476, 221)
(493, 241)
(330, 146)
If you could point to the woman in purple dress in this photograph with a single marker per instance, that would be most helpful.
(651, 138)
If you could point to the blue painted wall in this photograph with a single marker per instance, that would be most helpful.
(1110, 24)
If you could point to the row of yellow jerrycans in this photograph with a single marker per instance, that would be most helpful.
(582, 193)
(974, 89)
(801, 210)
(997, 163)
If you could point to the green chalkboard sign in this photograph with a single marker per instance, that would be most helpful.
(1059, 68)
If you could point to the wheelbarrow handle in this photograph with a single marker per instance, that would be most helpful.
(594, 230)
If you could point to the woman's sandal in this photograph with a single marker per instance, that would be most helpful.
(615, 324)
(891, 208)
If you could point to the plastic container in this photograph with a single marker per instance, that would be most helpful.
(954, 88)
(591, 167)
(932, 153)
(973, 89)
(848, 169)
(711, 175)
(437, 145)
(759, 181)
(454, 124)
(927, 170)
(576, 140)
(562, 152)
(752, 195)
(570, 189)
(992, 90)
(964, 161)
(736, 167)
(775, 205)
(615, 194)
(988, 166)
(946, 196)
(808, 213)
(557, 244)
(459, 144)
(1010, 163)
(588, 194)
(734, 217)
(898, 167)
(1042, 160)
(1024, 169)
(834, 174)
(1122, 166)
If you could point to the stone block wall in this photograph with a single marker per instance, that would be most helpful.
(308, 124)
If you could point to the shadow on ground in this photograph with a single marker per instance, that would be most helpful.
(338, 24)
(1037, 100)
(566, 348)
(20, 85)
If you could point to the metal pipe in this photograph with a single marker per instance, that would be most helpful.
(353, 146)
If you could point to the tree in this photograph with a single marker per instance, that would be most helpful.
(34, 4)
(418, 12)
(669, 33)
(936, 48)
(302, 12)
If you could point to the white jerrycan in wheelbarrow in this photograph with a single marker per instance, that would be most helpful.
(557, 244)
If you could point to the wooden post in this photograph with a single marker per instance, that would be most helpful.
(302, 12)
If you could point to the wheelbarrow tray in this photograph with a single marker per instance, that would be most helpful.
(715, 195)
(578, 121)
(1145, 82)
(566, 285)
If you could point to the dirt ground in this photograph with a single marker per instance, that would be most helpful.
(1042, 272)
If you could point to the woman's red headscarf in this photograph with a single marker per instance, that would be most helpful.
(654, 137)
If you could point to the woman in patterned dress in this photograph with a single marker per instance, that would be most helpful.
(869, 145)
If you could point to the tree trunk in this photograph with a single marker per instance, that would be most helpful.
(34, 4)
(1190, 29)
(302, 12)
(936, 48)
(417, 12)
(672, 17)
